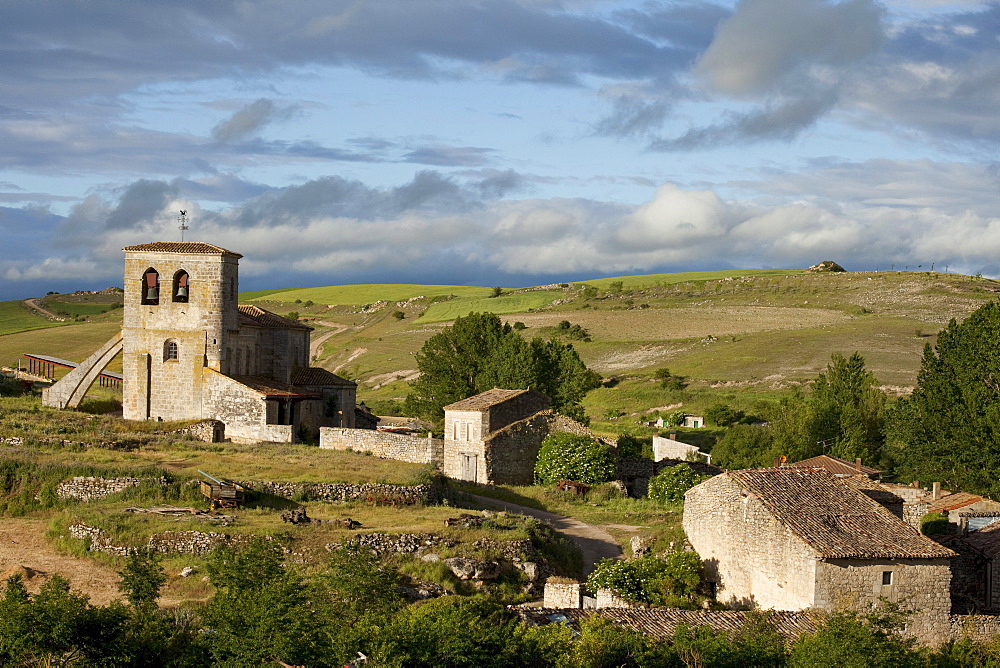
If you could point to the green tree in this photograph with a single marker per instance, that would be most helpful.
(668, 380)
(851, 639)
(141, 578)
(565, 456)
(745, 446)
(452, 631)
(479, 352)
(948, 428)
(847, 410)
(261, 612)
(723, 415)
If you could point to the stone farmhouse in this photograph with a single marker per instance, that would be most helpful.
(490, 438)
(795, 538)
(192, 352)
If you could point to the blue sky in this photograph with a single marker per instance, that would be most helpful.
(497, 142)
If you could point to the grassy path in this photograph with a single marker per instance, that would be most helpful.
(594, 542)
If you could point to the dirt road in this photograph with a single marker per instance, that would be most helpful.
(594, 542)
(33, 305)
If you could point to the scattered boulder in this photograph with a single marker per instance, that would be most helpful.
(471, 569)
(187, 571)
(640, 546)
(826, 266)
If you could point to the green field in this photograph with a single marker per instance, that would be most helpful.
(502, 305)
(16, 317)
(364, 294)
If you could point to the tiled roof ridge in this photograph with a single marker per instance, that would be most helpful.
(182, 247)
(264, 318)
(834, 519)
(486, 399)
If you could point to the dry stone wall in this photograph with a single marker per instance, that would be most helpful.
(176, 542)
(87, 488)
(341, 492)
(388, 445)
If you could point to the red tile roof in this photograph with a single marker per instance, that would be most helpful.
(953, 501)
(485, 399)
(314, 376)
(255, 315)
(272, 389)
(181, 247)
(835, 520)
(661, 623)
(836, 465)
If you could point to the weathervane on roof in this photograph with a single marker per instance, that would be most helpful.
(183, 227)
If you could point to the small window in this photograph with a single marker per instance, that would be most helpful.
(886, 578)
(150, 287)
(181, 285)
(169, 350)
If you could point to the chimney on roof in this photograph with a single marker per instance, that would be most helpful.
(777, 462)
(935, 491)
(857, 464)
(673, 436)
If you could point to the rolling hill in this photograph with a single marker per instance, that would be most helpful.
(737, 335)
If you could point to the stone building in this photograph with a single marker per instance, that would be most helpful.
(671, 448)
(191, 351)
(494, 437)
(797, 538)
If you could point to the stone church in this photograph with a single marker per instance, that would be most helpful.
(191, 351)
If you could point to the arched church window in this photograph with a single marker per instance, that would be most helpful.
(181, 285)
(169, 350)
(151, 287)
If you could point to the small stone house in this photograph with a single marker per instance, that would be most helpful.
(494, 437)
(797, 538)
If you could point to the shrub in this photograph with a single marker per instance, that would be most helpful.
(670, 381)
(669, 485)
(934, 524)
(671, 579)
(635, 446)
(571, 457)
(496, 291)
(292, 315)
(520, 325)
(398, 315)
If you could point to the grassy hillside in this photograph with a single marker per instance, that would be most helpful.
(16, 317)
(737, 336)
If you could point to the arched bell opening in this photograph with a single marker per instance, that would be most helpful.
(150, 287)
(181, 286)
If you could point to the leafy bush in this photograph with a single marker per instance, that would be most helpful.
(398, 315)
(934, 524)
(670, 381)
(635, 446)
(723, 415)
(669, 485)
(571, 457)
(671, 579)
(519, 325)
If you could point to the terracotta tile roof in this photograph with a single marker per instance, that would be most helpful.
(832, 518)
(313, 376)
(835, 465)
(182, 247)
(485, 399)
(255, 315)
(661, 623)
(272, 389)
(953, 501)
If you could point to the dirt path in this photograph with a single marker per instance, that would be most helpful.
(24, 549)
(316, 344)
(594, 542)
(33, 305)
(355, 354)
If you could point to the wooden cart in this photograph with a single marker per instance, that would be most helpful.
(222, 493)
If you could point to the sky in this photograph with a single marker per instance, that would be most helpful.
(497, 142)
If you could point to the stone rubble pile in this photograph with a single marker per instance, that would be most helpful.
(385, 543)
